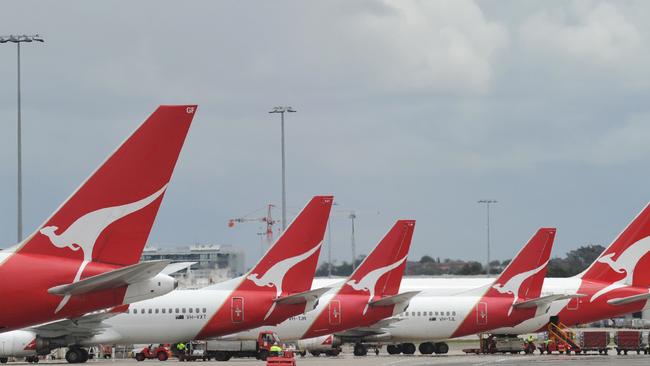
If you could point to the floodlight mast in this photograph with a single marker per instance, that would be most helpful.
(282, 110)
(18, 39)
(487, 207)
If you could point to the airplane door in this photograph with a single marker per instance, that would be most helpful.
(334, 312)
(237, 309)
(573, 304)
(481, 313)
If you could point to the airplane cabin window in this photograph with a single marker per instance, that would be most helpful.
(197, 310)
(156, 311)
(163, 310)
(204, 310)
(177, 311)
(184, 310)
(191, 310)
(150, 311)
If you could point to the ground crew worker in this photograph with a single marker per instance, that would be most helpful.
(181, 348)
(275, 349)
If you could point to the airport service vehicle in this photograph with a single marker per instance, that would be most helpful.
(510, 299)
(223, 350)
(368, 296)
(276, 288)
(159, 352)
(85, 256)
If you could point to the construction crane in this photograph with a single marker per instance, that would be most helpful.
(268, 219)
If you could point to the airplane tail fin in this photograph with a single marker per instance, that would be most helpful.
(626, 259)
(524, 275)
(293, 257)
(109, 217)
(384, 266)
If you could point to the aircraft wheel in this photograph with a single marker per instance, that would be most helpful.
(3, 359)
(74, 355)
(315, 353)
(393, 349)
(333, 352)
(441, 348)
(426, 348)
(408, 348)
(360, 350)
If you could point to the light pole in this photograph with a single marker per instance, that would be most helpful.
(18, 39)
(487, 208)
(329, 243)
(354, 248)
(282, 110)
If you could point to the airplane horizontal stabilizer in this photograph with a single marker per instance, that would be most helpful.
(629, 299)
(302, 297)
(395, 299)
(544, 300)
(112, 279)
(175, 267)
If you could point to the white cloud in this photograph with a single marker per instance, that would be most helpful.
(591, 35)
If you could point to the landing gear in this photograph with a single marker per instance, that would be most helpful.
(360, 350)
(3, 359)
(315, 353)
(76, 355)
(32, 359)
(441, 348)
(333, 352)
(408, 348)
(426, 348)
(393, 349)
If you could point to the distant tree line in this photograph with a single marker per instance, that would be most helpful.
(571, 264)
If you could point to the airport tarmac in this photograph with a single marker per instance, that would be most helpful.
(414, 360)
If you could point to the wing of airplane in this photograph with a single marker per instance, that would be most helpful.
(380, 327)
(85, 326)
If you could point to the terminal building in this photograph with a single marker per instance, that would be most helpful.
(215, 263)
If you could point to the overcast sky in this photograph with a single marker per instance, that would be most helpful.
(406, 109)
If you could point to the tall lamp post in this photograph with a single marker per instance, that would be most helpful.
(487, 208)
(353, 244)
(18, 39)
(282, 110)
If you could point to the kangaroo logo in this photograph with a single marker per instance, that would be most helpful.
(625, 263)
(513, 285)
(369, 281)
(274, 276)
(83, 233)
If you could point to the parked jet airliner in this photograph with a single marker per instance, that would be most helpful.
(83, 258)
(276, 288)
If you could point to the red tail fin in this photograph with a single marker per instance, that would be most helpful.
(524, 276)
(381, 271)
(291, 261)
(626, 260)
(109, 217)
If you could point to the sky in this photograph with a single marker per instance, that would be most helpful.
(409, 109)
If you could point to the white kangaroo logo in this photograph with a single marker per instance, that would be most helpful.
(369, 281)
(625, 263)
(513, 285)
(83, 233)
(274, 276)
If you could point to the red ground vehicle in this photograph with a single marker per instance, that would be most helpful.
(597, 341)
(285, 359)
(160, 352)
(628, 340)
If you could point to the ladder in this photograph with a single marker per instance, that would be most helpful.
(562, 335)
